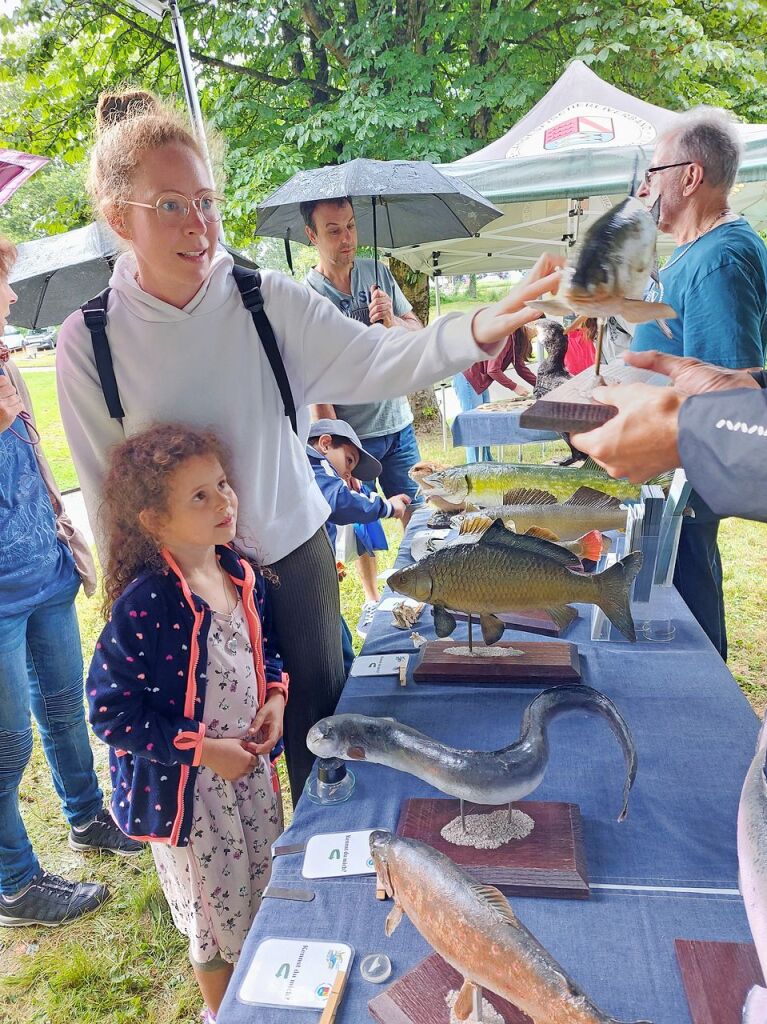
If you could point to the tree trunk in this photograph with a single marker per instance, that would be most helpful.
(415, 287)
(472, 292)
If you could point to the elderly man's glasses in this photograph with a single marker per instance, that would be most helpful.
(664, 167)
(174, 207)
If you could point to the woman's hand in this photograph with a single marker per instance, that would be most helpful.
(10, 403)
(493, 324)
(266, 728)
(227, 758)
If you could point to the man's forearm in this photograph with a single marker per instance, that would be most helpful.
(409, 321)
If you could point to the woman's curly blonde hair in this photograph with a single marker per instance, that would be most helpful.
(138, 479)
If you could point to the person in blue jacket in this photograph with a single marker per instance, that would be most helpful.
(187, 688)
(338, 459)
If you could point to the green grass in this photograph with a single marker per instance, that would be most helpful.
(128, 963)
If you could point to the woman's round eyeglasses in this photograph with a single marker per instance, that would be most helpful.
(174, 207)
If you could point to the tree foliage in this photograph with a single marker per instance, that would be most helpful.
(300, 83)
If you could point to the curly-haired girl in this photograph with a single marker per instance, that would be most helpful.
(188, 690)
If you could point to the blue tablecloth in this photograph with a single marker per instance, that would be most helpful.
(477, 429)
(669, 871)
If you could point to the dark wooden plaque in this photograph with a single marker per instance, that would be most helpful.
(549, 862)
(543, 661)
(717, 978)
(566, 417)
(531, 622)
(419, 997)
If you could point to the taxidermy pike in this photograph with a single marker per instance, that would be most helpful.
(612, 269)
(526, 508)
(479, 776)
(476, 932)
(490, 483)
(752, 864)
(507, 572)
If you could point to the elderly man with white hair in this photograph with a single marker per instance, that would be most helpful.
(716, 280)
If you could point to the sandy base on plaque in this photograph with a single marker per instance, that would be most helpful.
(485, 652)
(488, 831)
(489, 1013)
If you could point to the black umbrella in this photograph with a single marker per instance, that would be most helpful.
(55, 275)
(396, 203)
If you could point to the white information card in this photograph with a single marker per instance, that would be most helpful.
(337, 854)
(378, 664)
(294, 973)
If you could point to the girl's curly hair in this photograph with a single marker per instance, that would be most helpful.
(138, 479)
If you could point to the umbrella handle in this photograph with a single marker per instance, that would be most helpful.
(375, 241)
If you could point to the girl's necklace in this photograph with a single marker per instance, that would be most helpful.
(231, 643)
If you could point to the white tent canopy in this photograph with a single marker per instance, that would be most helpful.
(563, 164)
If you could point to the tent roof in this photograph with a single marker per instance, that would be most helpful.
(580, 110)
(576, 149)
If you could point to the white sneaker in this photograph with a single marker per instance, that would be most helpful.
(366, 617)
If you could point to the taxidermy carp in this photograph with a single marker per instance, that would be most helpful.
(507, 572)
(526, 508)
(490, 483)
(612, 269)
(479, 776)
(752, 865)
(474, 929)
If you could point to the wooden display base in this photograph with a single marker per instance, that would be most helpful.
(419, 997)
(717, 978)
(549, 862)
(533, 622)
(543, 661)
(566, 417)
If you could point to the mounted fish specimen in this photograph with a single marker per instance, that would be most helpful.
(612, 269)
(584, 511)
(489, 483)
(476, 932)
(752, 869)
(508, 572)
(419, 472)
(481, 777)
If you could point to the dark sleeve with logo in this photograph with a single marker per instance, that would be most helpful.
(723, 447)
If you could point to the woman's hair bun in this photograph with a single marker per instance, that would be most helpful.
(113, 107)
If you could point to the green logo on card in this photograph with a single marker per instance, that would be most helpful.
(284, 971)
(335, 855)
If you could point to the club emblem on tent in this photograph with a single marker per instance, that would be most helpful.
(579, 131)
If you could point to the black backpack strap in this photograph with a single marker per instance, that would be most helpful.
(249, 284)
(95, 316)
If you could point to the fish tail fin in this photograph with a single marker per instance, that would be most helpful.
(590, 546)
(613, 590)
(558, 700)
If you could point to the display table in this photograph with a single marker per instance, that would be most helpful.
(479, 429)
(669, 871)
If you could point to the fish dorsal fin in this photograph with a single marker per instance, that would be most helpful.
(528, 496)
(539, 531)
(590, 497)
(476, 525)
(494, 899)
(593, 467)
(498, 535)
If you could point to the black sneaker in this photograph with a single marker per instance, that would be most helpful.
(51, 901)
(103, 834)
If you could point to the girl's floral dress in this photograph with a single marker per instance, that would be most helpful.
(214, 885)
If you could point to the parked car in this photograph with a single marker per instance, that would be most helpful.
(14, 338)
(44, 338)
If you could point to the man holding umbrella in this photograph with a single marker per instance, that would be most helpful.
(364, 290)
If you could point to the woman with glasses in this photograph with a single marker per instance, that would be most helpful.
(185, 349)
